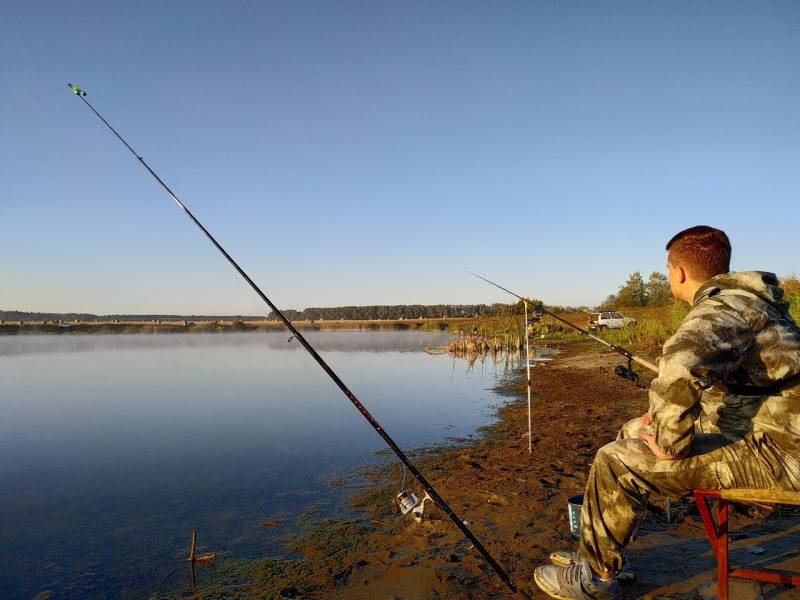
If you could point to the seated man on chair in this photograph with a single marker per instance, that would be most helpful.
(724, 412)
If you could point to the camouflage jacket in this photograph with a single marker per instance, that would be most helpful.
(734, 359)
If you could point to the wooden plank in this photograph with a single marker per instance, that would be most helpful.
(766, 496)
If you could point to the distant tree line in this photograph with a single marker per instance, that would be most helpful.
(638, 292)
(395, 311)
(398, 311)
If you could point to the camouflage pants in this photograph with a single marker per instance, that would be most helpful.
(625, 471)
(633, 428)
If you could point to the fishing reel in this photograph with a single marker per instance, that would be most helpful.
(408, 502)
(627, 372)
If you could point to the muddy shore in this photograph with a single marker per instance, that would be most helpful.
(515, 502)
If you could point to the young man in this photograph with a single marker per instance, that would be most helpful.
(724, 412)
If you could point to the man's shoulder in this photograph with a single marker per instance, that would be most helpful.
(712, 320)
(745, 292)
(724, 309)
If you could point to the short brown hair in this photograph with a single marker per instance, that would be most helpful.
(702, 250)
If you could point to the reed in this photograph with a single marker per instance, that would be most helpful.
(480, 345)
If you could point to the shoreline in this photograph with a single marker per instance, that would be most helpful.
(217, 326)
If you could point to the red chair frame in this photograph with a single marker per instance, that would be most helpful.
(718, 533)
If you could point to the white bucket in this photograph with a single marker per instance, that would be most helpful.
(574, 506)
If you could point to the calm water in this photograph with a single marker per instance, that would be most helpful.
(112, 448)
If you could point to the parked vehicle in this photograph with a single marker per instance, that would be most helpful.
(609, 320)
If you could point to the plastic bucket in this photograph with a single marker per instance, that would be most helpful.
(574, 506)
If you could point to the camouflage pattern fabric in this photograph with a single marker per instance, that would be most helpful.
(738, 335)
(635, 428)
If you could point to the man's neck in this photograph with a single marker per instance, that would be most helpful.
(691, 290)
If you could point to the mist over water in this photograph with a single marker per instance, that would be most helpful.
(113, 448)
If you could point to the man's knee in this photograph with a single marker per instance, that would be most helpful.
(623, 455)
(606, 455)
(633, 429)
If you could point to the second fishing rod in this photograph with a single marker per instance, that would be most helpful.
(434, 495)
(632, 358)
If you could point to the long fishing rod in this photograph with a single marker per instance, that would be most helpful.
(619, 350)
(437, 499)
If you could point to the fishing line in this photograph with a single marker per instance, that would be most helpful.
(430, 491)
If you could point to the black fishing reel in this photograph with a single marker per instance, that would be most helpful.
(628, 372)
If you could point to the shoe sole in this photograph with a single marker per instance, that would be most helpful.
(546, 590)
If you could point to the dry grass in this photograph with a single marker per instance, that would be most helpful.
(791, 290)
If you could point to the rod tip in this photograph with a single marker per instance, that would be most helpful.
(76, 90)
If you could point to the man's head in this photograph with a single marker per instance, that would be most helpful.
(695, 255)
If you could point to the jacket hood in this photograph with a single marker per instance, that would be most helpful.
(761, 283)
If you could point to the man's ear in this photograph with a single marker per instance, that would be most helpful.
(681, 274)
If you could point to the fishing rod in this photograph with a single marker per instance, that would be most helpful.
(437, 499)
(620, 370)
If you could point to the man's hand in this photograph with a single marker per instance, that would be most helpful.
(650, 440)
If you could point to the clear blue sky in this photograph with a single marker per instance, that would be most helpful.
(370, 152)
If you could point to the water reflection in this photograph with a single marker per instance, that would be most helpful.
(341, 341)
(113, 448)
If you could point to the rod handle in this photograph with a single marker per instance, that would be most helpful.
(645, 363)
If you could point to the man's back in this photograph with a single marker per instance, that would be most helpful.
(738, 339)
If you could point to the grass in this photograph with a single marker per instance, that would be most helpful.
(482, 326)
(654, 326)
(791, 291)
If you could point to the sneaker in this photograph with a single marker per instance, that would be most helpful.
(575, 582)
(565, 558)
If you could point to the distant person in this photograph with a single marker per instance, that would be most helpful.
(732, 367)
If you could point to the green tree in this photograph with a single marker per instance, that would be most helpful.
(633, 292)
(610, 303)
(657, 288)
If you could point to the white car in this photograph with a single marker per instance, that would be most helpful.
(609, 320)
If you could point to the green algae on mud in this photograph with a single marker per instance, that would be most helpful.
(325, 555)
(317, 557)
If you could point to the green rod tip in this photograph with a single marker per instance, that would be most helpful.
(76, 90)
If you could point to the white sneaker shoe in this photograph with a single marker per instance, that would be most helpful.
(565, 558)
(575, 582)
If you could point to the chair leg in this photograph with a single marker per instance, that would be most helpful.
(701, 498)
(722, 550)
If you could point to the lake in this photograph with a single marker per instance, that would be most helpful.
(113, 448)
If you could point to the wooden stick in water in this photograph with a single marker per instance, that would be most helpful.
(194, 545)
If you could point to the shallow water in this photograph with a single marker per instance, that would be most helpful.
(113, 448)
